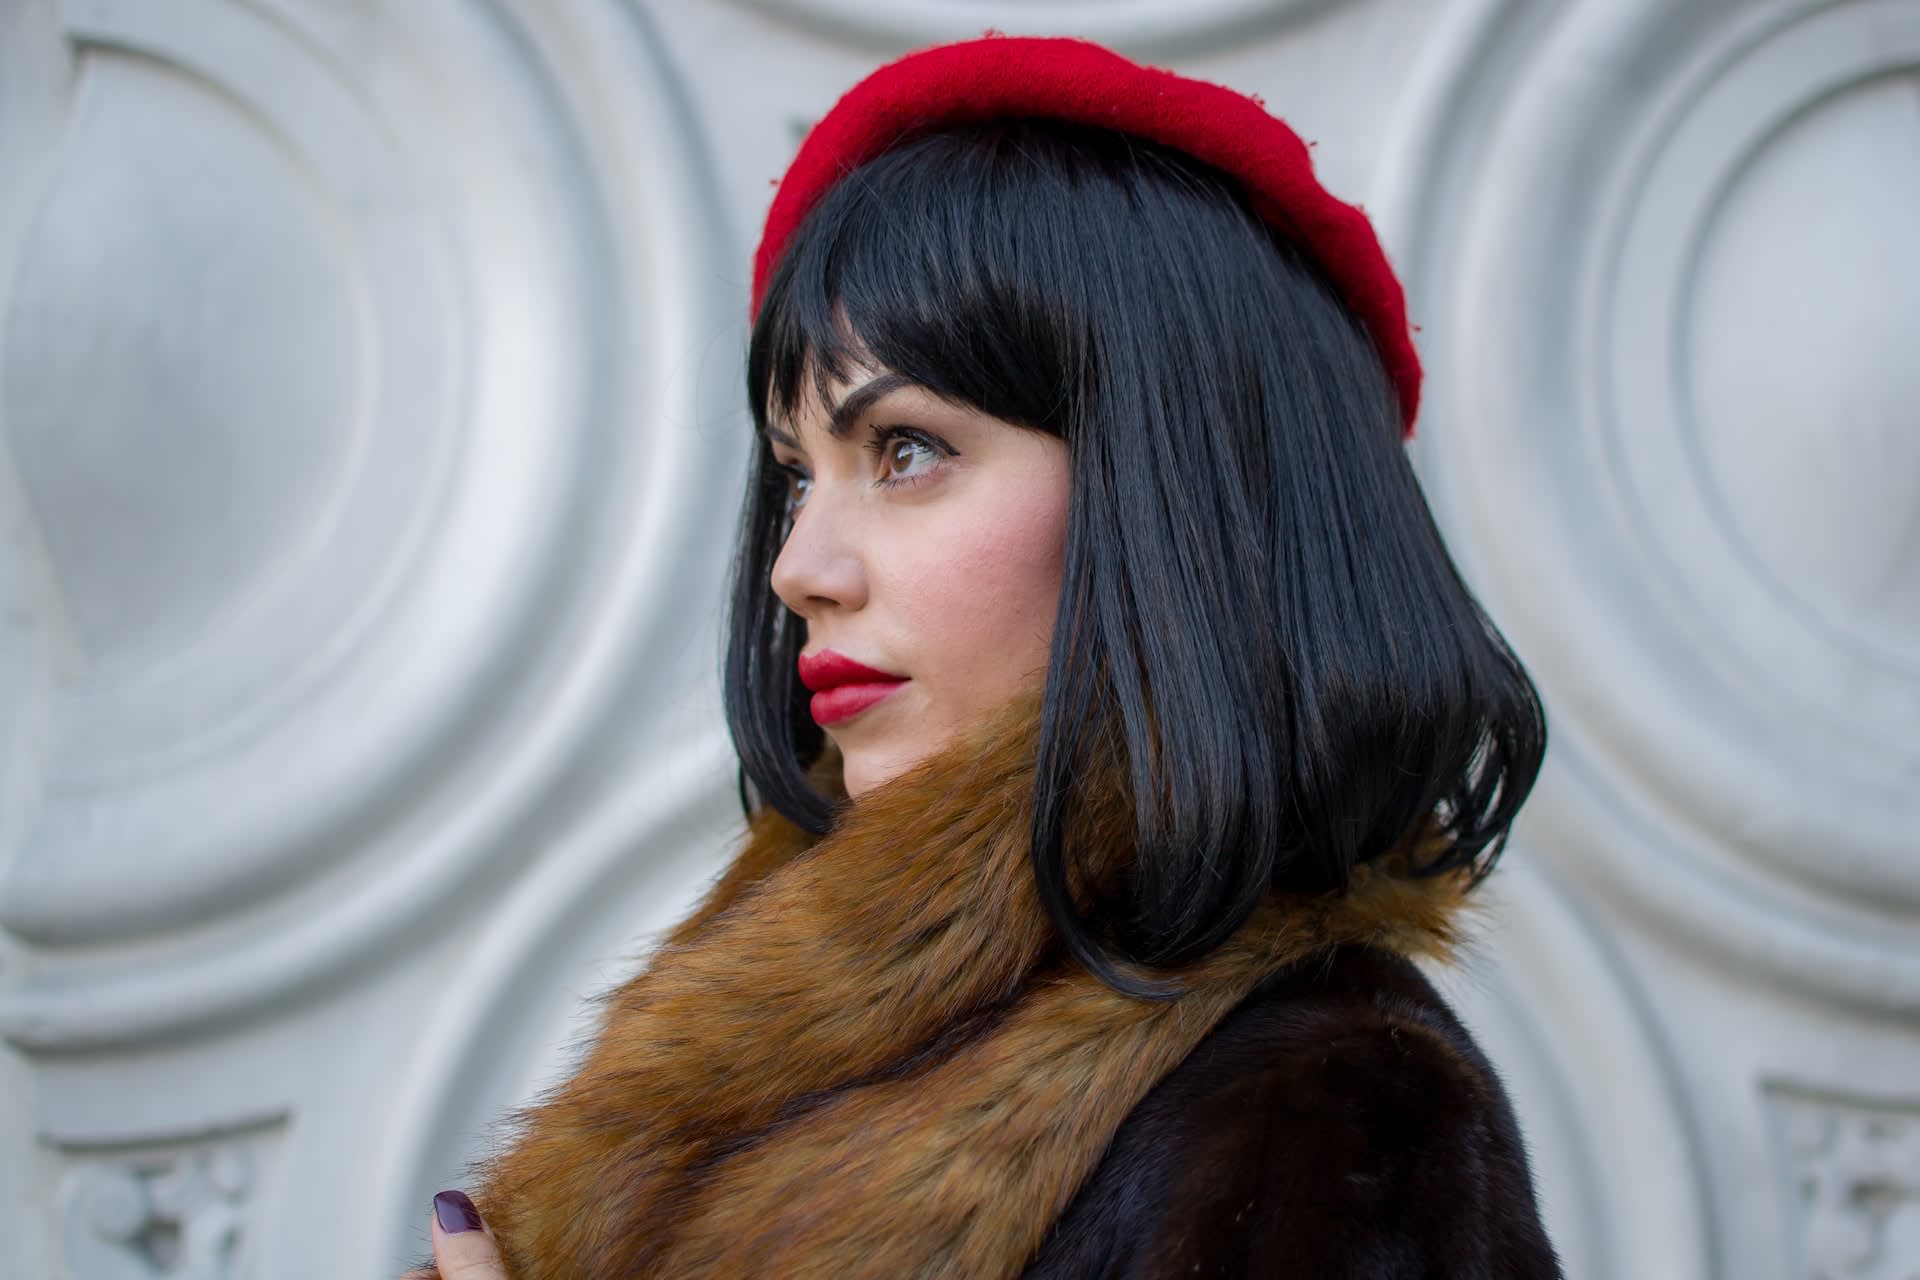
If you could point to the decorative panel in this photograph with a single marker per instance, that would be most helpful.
(361, 461)
(1196, 23)
(179, 1208)
(1666, 437)
(1564, 1023)
(1662, 262)
(1855, 1169)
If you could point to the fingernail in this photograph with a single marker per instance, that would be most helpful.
(456, 1212)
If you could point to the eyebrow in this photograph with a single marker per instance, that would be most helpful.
(862, 398)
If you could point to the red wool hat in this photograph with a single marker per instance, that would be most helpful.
(1076, 80)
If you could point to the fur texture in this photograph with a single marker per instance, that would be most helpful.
(1340, 1124)
(864, 1055)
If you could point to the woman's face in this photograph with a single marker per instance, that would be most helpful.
(926, 545)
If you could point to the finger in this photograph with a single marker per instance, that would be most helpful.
(463, 1248)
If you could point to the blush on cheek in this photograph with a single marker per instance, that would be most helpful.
(984, 595)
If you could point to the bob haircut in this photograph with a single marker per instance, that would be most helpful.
(1255, 600)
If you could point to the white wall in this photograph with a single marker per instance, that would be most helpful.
(370, 431)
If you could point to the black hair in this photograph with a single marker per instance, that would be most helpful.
(1254, 598)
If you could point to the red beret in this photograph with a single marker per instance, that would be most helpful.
(1076, 80)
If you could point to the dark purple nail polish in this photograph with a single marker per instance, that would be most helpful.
(456, 1212)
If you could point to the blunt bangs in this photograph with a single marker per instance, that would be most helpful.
(1255, 601)
(941, 261)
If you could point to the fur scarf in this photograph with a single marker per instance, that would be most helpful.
(864, 1055)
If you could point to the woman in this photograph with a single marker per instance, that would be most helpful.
(1118, 727)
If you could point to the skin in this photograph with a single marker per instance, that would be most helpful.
(462, 1255)
(936, 556)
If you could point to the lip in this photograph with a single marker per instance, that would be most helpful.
(843, 688)
(828, 668)
(845, 701)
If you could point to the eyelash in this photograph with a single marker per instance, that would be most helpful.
(877, 445)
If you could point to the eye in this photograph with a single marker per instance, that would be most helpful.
(903, 453)
(799, 485)
(907, 455)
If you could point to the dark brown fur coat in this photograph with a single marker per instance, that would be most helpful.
(865, 1056)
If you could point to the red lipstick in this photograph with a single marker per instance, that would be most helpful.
(843, 688)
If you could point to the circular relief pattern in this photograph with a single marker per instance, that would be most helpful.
(1758, 402)
(1128, 22)
(232, 416)
(1816, 230)
(1619, 1182)
(1671, 437)
(26, 681)
(604, 891)
(352, 369)
(28, 133)
(203, 357)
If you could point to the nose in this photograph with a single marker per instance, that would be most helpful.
(820, 566)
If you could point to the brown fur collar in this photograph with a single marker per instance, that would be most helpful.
(864, 1056)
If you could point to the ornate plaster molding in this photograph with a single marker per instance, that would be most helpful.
(1133, 24)
(1854, 1169)
(177, 1209)
(1604, 211)
(491, 242)
(1615, 1157)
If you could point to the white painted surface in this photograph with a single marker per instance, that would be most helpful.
(370, 437)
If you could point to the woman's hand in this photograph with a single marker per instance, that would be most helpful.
(463, 1247)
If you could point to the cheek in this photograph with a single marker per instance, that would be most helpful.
(980, 600)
